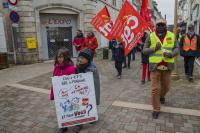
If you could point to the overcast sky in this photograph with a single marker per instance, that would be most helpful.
(167, 7)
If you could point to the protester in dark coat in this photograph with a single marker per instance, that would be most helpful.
(112, 43)
(119, 58)
(85, 65)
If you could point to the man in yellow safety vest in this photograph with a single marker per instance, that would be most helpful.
(162, 47)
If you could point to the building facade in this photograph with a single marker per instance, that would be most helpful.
(46, 25)
(188, 12)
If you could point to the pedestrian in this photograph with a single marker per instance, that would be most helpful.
(178, 34)
(144, 61)
(84, 65)
(119, 58)
(78, 41)
(162, 47)
(91, 43)
(134, 51)
(63, 66)
(189, 49)
(112, 43)
(129, 60)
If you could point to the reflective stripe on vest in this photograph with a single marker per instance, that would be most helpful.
(190, 45)
(167, 46)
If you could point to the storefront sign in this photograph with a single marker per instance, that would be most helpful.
(31, 43)
(75, 100)
(59, 21)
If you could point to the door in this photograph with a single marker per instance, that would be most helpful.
(58, 37)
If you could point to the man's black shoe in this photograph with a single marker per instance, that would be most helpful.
(155, 114)
(162, 100)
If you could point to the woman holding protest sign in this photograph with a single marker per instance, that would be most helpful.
(85, 65)
(63, 66)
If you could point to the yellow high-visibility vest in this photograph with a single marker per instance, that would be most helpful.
(167, 45)
(179, 38)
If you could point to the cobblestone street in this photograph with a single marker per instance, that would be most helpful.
(31, 111)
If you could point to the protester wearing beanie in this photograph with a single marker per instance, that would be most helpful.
(85, 65)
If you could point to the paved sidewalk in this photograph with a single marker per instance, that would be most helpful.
(22, 72)
(24, 111)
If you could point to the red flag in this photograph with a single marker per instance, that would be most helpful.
(145, 12)
(102, 22)
(129, 27)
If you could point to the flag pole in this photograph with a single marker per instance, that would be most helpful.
(175, 72)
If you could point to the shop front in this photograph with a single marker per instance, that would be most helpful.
(57, 31)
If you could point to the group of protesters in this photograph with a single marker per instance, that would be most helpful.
(158, 51)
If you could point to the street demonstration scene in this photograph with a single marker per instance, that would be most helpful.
(99, 66)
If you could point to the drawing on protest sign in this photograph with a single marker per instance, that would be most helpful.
(75, 100)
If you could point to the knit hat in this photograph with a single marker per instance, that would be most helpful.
(85, 53)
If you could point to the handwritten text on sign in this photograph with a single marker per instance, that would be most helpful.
(75, 99)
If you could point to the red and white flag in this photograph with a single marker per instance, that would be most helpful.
(145, 12)
(102, 22)
(129, 27)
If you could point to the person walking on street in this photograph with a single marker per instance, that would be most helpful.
(189, 49)
(63, 66)
(84, 65)
(129, 60)
(78, 41)
(118, 53)
(162, 47)
(144, 61)
(91, 43)
(112, 43)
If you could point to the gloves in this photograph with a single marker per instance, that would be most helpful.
(167, 55)
(158, 46)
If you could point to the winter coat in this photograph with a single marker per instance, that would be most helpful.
(190, 52)
(78, 42)
(60, 70)
(92, 68)
(91, 43)
(118, 53)
(112, 43)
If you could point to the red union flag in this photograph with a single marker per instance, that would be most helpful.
(145, 12)
(102, 22)
(129, 27)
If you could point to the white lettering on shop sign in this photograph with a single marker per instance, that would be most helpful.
(59, 21)
(128, 36)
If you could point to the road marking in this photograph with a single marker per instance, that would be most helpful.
(30, 88)
(163, 109)
(122, 103)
